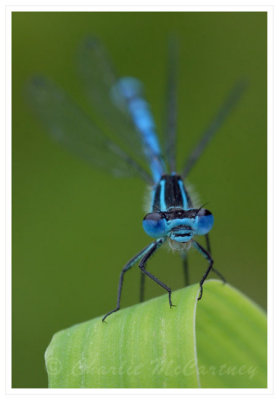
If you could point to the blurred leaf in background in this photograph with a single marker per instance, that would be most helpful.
(74, 227)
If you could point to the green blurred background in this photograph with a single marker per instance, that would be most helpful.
(75, 227)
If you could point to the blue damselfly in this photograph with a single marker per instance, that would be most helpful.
(133, 148)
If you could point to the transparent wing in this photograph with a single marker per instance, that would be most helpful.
(71, 127)
(223, 112)
(97, 73)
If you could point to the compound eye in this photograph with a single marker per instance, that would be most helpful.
(204, 222)
(155, 225)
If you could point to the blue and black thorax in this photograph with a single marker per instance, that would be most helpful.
(169, 193)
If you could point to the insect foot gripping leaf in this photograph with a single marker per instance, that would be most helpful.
(219, 342)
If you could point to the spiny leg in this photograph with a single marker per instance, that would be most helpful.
(208, 257)
(143, 270)
(126, 268)
(208, 247)
(209, 251)
(142, 280)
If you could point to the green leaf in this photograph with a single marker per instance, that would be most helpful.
(219, 342)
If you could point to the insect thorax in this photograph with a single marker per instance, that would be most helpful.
(170, 193)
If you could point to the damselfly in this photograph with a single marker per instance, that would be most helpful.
(130, 144)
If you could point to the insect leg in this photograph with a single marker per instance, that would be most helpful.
(142, 283)
(209, 251)
(129, 265)
(208, 257)
(142, 267)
